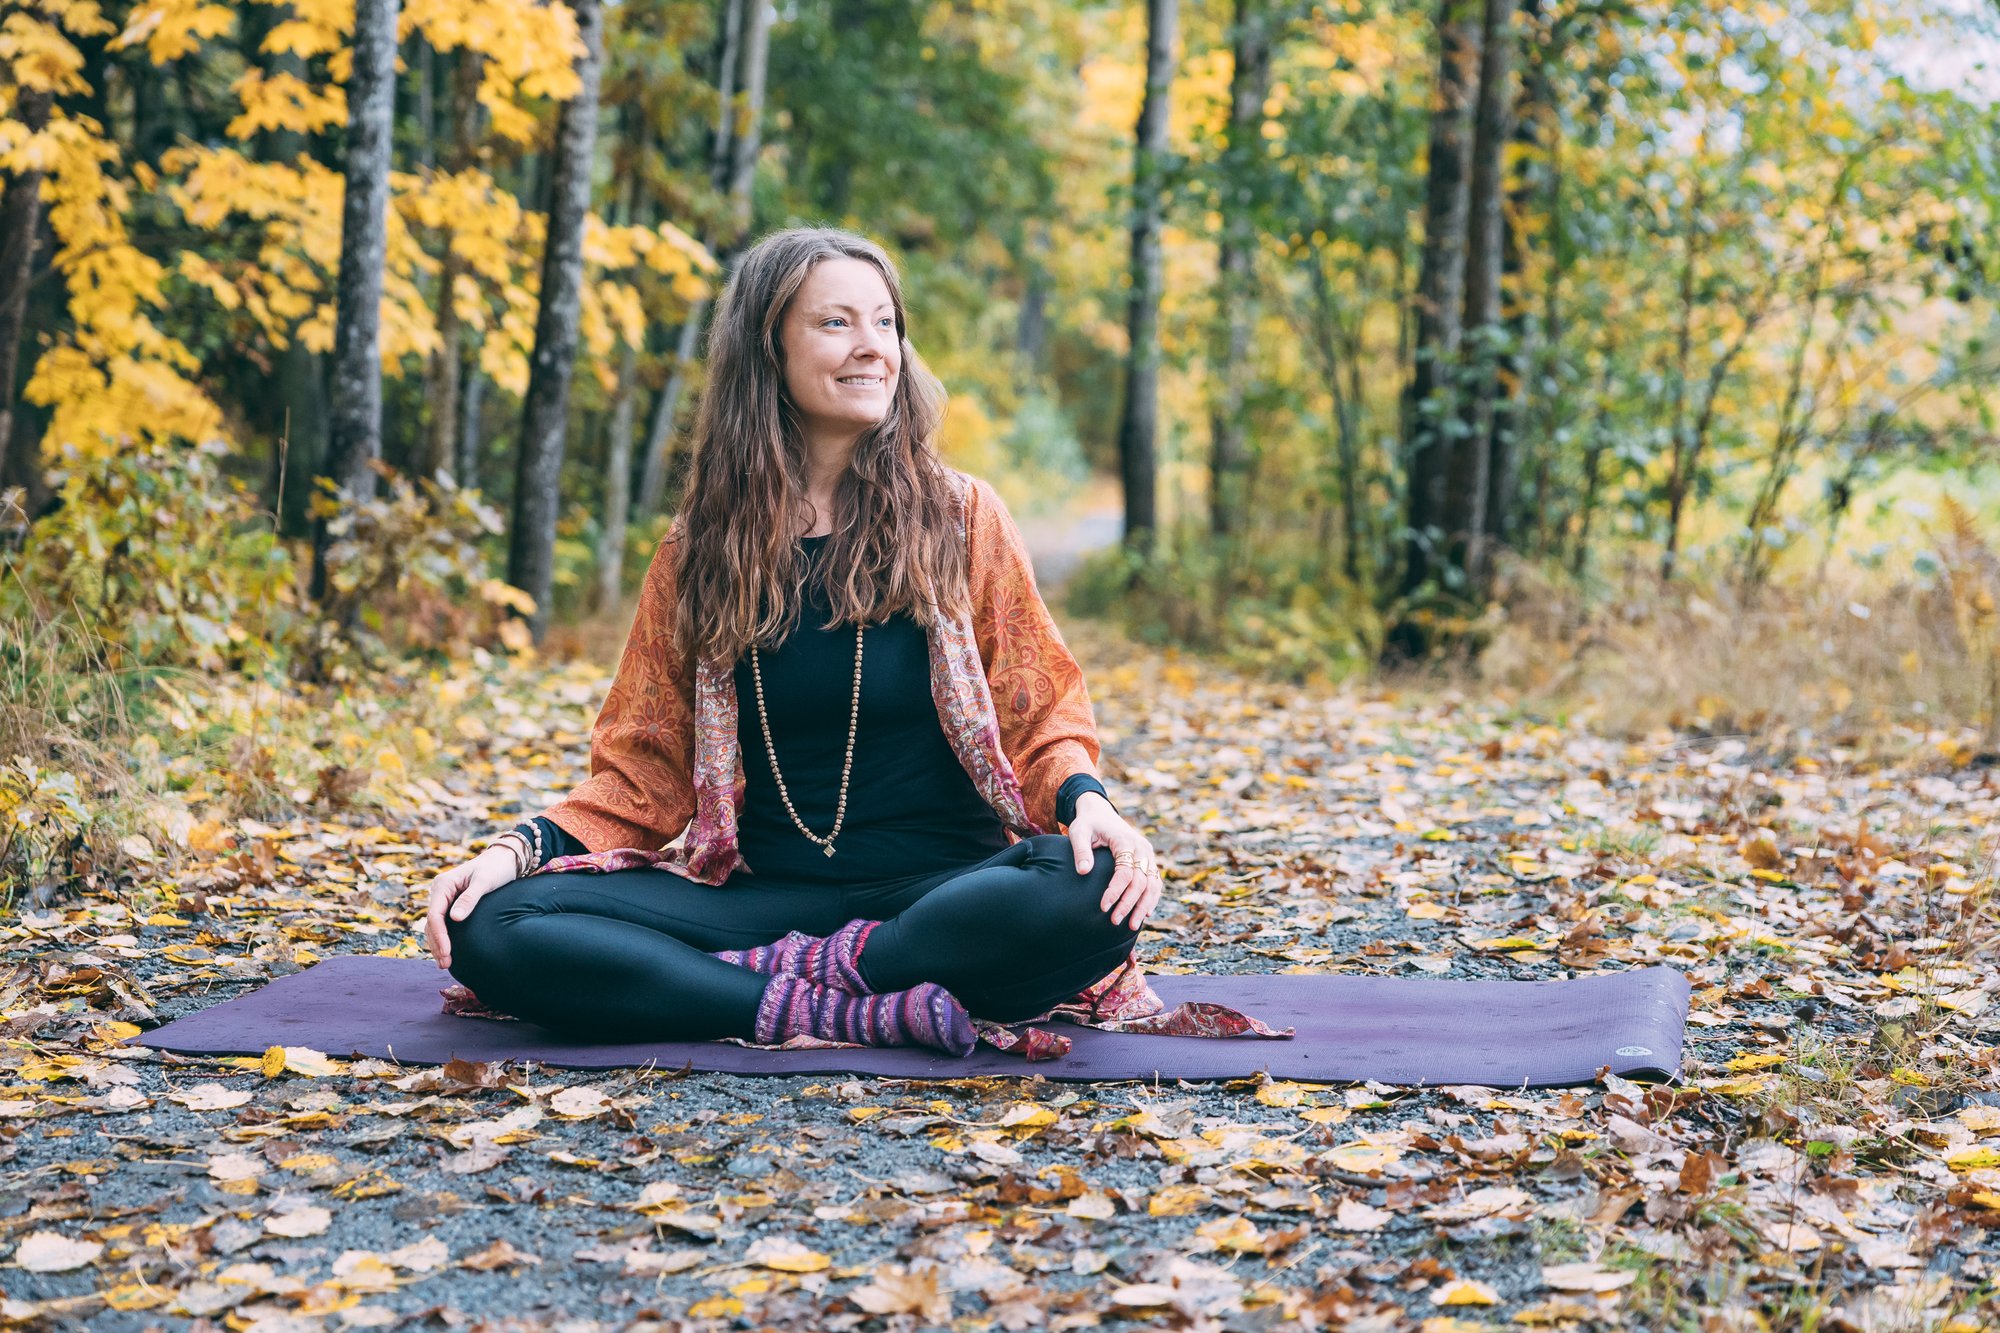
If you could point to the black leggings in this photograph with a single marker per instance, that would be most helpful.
(625, 956)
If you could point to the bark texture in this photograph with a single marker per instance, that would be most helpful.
(545, 410)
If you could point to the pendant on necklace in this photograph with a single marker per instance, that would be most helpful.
(829, 849)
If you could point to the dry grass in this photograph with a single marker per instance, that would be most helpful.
(1879, 666)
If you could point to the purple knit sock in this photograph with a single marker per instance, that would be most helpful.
(777, 956)
(924, 1015)
(831, 960)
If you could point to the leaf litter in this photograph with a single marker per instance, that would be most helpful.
(1830, 1157)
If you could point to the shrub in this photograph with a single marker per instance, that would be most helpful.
(169, 560)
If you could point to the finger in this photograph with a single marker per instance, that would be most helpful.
(1128, 900)
(435, 935)
(1152, 899)
(1079, 842)
(462, 907)
(1119, 879)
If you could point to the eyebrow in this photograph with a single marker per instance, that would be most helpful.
(829, 307)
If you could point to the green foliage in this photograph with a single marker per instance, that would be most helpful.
(42, 816)
(1299, 624)
(167, 558)
(406, 578)
(1042, 443)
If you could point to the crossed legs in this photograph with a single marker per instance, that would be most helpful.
(627, 956)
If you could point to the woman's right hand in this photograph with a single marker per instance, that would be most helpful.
(459, 889)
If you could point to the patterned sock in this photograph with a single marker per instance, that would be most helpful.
(831, 960)
(775, 957)
(836, 960)
(924, 1015)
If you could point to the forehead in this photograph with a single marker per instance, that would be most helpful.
(843, 281)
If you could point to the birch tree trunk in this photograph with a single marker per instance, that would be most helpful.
(354, 434)
(442, 439)
(545, 409)
(1138, 427)
(624, 410)
(1249, 85)
(733, 168)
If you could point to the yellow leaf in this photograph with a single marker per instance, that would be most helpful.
(1178, 1200)
(1743, 1064)
(1282, 1094)
(1362, 1156)
(274, 1062)
(716, 1307)
(1974, 1157)
(1465, 1291)
(785, 1255)
(1237, 1235)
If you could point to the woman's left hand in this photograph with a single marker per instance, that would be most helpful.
(1135, 885)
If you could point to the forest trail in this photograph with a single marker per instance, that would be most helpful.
(1836, 1134)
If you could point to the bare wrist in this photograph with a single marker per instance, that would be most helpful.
(505, 855)
(1095, 796)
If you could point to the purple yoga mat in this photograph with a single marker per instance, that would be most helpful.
(1390, 1029)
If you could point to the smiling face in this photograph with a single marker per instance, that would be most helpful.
(842, 350)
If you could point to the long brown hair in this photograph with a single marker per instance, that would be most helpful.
(894, 544)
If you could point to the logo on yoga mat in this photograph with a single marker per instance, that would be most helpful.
(1634, 1050)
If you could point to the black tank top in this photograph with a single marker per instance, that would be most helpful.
(911, 807)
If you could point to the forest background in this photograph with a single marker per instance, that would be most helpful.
(1628, 361)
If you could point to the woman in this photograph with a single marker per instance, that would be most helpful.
(906, 704)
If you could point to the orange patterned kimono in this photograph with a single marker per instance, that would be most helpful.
(1013, 705)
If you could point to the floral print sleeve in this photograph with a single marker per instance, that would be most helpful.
(1046, 726)
(640, 790)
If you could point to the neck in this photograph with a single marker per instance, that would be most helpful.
(827, 461)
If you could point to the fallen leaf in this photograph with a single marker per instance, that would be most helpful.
(500, 1254)
(299, 1222)
(1464, 1291)
(53, 1252)
(785, 1255)
(1585, 1277)
(209, 1097)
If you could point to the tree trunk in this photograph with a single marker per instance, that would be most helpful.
(618, 450)
(748, 141)
(1511, 378)
(354, 436)
(1138, 425)
(442, 438)
(1464, 517)
(1440, 282)
(545, 409)
(733, 167)
(20, 220)
(727, 58)
(1031, 327)
(469, 438)
(1249, 85)
(1327, 341)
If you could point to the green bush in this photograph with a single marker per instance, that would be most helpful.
(1290, 619)
(168, 560)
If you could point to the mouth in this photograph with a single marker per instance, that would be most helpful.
(861, 381)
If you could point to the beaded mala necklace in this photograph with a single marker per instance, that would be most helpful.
(846, 766)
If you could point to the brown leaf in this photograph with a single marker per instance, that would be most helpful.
(896, 1291)
(500, 1254)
